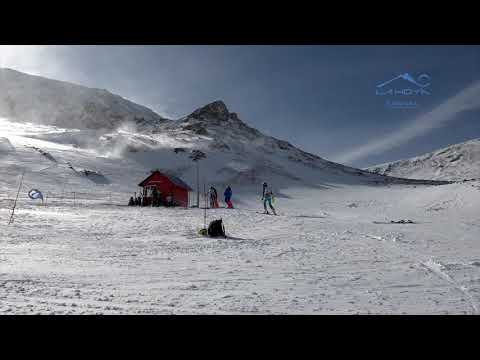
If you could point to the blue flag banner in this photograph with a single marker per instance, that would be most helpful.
(35, 194)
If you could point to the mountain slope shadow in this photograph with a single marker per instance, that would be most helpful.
(98, 179)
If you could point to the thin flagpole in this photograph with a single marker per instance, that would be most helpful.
(205, 208)
(15, 202)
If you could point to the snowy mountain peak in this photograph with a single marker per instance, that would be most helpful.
(216, 118)
(214, 110)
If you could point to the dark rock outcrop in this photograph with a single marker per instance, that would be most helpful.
(215, 110)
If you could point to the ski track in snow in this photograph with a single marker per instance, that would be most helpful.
(108, 259)
(437, 268)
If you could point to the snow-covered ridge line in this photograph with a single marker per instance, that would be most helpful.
(458, 162)
(40, 100)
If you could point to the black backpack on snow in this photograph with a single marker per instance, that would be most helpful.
(216, 229)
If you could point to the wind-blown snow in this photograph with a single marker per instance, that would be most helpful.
(39, 100)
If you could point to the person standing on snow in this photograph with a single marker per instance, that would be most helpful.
(228, 196)
(267, 197)
(213, 197)
(155, 197)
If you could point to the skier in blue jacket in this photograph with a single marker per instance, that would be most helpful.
(228, 196)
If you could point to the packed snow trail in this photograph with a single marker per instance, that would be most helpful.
(437, 268)
(118, 259)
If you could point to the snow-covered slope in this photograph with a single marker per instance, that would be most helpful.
(235, 153)
(40, 100)
(5, 146)
(456, 162)
(56, 159)
(325, 253)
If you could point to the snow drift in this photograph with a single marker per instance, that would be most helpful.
(6, 146)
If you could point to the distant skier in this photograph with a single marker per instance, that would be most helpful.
(267, 197)
(169, 200)
(264, 188)
(155, 197)
(228, 197)
(131, 202)
(213, 197)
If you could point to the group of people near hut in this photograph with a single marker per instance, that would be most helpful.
(156, 200)
(213, 197)
(135, 201)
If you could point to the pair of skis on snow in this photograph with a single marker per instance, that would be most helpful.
(267, 213)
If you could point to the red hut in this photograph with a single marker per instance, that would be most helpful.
(171, 189)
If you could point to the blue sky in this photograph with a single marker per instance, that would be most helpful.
(321, 98)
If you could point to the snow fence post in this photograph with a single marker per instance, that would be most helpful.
(15, 202)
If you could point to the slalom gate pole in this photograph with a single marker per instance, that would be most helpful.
(15, 202)
(205, 207)
(198, 185)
